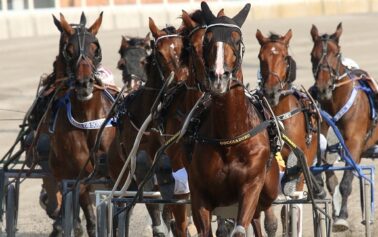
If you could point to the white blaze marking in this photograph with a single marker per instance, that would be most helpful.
(219, 70)
(274, 50)
(172, 46)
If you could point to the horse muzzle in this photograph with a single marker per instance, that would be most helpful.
(272, 95)
(219, 84)
(325, 93)
(84, 89)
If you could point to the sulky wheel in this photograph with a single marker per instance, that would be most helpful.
(11, 211)
(67, 218)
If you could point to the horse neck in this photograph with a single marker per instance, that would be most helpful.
(154, 79)
(231, 114)
(141, 107)
(59, 67)
(286, 103)
(340, 95)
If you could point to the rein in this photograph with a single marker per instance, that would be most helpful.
(333, 73)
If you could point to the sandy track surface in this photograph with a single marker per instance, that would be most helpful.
(22, 61)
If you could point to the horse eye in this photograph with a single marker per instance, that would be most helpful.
(67, 53)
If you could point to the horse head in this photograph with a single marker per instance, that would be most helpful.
(222, 49)
(326, 61)
(193, 28)
(133, 52)
(277, 68)
(81, 52)
(169, 52)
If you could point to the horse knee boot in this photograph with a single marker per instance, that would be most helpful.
(143, 165)
(43, 146)
(165, 178)
(102, 168)
(292, 174)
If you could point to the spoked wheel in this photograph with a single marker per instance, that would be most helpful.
(11, 211)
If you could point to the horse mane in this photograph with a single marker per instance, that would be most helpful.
(135, 41)
(292, 70)
(196, 16)
(170, 30)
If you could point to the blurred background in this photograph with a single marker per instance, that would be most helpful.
(29, 44)
(20, 18)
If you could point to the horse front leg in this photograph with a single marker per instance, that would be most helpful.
(341, 223)
(143, 166)
(180, 214)
(247, 207)
(201, 214)
(87, 207)
(270, 222)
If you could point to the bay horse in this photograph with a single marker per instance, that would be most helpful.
(335, 85)
(164, 59)
(80, 106)
(133, 52)
(289, 104)
(226, 165)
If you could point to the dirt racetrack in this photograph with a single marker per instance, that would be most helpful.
(22, 61)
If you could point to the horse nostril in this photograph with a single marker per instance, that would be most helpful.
(121, 64)
(143, 61)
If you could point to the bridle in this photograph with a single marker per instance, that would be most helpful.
(219, 36)
(81, 35)
(192, 52)
(289, 64)
(125, 53)
(155, 54)
(333, 72)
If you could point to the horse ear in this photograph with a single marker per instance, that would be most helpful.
(65, 26)
(287, 37)
(187, 20)
(207, 13)
(125, 42)
(156, 32)
(314, 33)
(337, 34)
(83, 19)
(242, 15)
(96, 25)
(57, 24)
(147, 41)
(221, 13)
(260, 37)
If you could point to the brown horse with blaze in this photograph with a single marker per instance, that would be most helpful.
(81, 104)
(229, 149)
(338, 90)
(291, 106)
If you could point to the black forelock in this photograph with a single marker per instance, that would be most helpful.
(170, 30)
(197, 16)
(274, 37)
